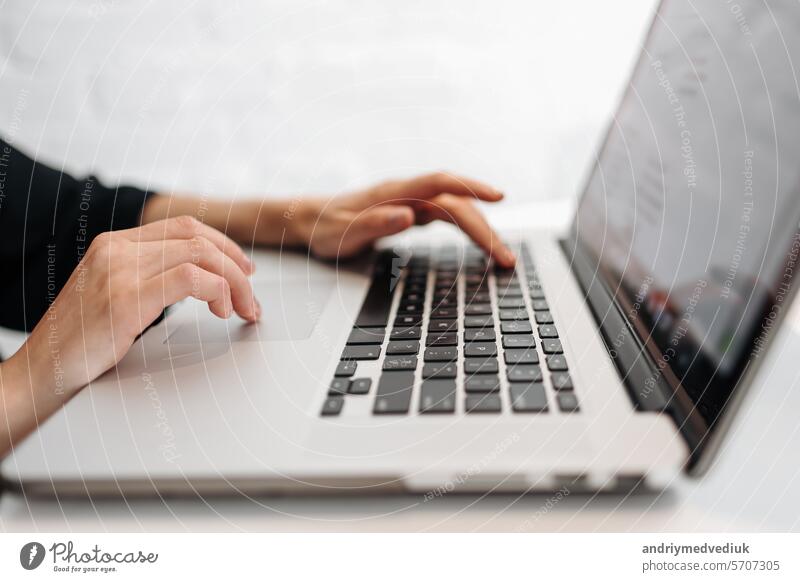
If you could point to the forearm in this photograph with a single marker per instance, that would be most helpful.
(29, 393)
(249, 222)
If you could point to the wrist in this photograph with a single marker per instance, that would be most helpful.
(286, 222)
(299, 219)
(37, 369)
(29, 393)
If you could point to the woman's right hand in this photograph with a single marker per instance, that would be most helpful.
(119, 288)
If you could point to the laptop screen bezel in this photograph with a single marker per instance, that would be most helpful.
(703, 443)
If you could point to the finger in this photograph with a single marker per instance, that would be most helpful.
(431, 185)
(184, 281)
(372, 224)
(469, 219)
(158, 256)
(186, 227)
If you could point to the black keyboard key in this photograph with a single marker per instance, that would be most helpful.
(410, 309)
(473, 288)
(443, 325)
(513, 315)
(556, 363)
(394, 393)
(506, 290)
(516, 327)
(412, 298)
(378, 301)
(480, 350)
(441, 354)
(543, 317)
(368, 336)
(360, 386)
(444, 313)
(568, 402)
(472, 277)
(551, 346)
(403, 321)
(338, 386)
(528, 398)
(442, 339)
(437, 396)
(561, 381)
(400, 348)
(519, 341)
(406, 333)
(346, 368)
(400, 363)
(483, 403)
(526, 373)
(482, 383)
(480, 366)
(449, 301)
(478, 298)
(475, 334)
(332, 406)
(548, 331)
(509, 293)
(521, 356)
(536, 293)
(361, 353)
(478, 309)
(539, 305)
(511, 303)
(478, 321)
(439, 370)
(442, 294)
(506, 276)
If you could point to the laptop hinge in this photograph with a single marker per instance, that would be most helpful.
(647, 390)
(645, 383)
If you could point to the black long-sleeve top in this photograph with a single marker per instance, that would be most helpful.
(47, 221)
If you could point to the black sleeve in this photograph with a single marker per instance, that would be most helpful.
(47, 221)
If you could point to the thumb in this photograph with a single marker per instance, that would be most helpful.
(372, 224)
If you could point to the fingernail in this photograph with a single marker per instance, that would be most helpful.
(397, 219)
(258, 308)
(251, 266)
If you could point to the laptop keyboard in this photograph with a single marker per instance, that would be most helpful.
(456, 312)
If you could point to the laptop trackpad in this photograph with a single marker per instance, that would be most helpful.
(290, 312)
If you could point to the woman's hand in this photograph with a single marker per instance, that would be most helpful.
(119, 288)
(345, 225)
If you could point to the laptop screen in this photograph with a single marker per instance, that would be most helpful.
(691, 210)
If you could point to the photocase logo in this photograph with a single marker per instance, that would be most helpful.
(31, 555)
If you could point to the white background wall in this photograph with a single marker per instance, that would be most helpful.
(240, 96)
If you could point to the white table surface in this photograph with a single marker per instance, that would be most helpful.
(235, 97)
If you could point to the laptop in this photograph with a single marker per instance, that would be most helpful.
(612, 357)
